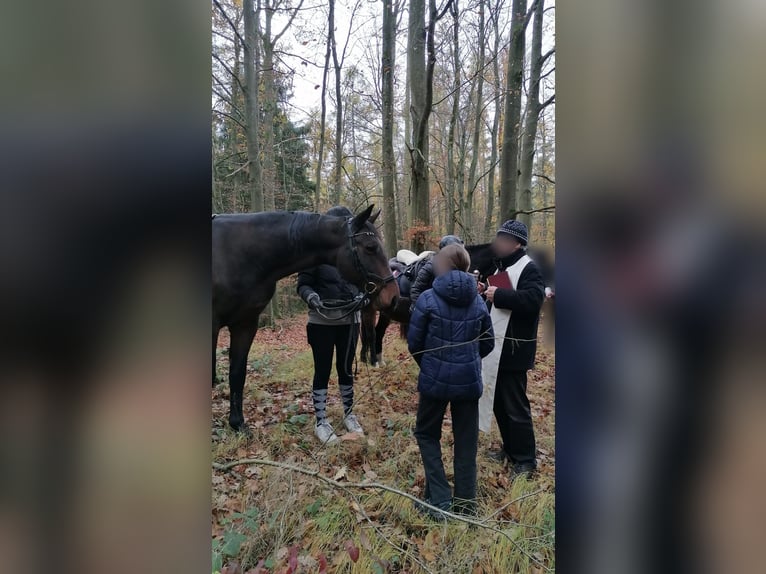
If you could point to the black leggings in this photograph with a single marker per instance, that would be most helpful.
(323, 340)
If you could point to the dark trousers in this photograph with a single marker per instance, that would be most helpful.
(428, 432)
(326, 339)
(514, 417)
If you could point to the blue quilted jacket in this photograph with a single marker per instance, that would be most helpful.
(450, 331)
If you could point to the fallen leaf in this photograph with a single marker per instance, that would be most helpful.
(352, 550)
(292, 561)
(322, 564)
(350, 436)
(340, 474)
(368, 472)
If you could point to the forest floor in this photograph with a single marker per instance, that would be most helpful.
(276, 520)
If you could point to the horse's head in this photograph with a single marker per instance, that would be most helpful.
(364, 260)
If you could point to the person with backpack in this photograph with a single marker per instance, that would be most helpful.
(422, 272)
(450, 331)
(331, 330)
(515, 316)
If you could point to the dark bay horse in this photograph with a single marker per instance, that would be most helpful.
(252, 251)
(482, 260)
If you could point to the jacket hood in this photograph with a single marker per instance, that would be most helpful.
(456, 287)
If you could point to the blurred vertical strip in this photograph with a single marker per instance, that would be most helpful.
(661, 141)
(104, 286)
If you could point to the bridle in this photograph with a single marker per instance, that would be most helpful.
(374, 283)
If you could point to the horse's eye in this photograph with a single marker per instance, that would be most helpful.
(371, 248)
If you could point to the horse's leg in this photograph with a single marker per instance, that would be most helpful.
(367, 335)
(380, 331)
(241, 339)
(216, 330)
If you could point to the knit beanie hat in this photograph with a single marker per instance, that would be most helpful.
(515, 228)
(449, 240)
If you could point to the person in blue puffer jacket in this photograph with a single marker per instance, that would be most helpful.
(450, 332)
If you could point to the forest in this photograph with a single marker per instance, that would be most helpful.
(442, 114)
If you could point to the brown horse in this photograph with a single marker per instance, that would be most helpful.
(374, 325)
(251, 252)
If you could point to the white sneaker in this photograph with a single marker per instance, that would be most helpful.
(352, 424)
(325, 432)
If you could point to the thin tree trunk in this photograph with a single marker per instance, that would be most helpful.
(407, 158)
(338, 112)
(473, 182)
(252, 111)
(509, 156)
(451, 182)
(387, 72)
(323, 118)
(488, 222)
(532, 115)
(421, 92)
(269, 112)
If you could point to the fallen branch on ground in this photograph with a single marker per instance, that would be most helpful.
(225, 467)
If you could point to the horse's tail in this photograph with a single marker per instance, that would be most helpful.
(403, 330)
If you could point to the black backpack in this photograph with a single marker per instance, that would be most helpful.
(412, 270)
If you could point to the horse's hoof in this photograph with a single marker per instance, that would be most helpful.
(242, 430)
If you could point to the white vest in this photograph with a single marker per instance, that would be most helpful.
(491, 362)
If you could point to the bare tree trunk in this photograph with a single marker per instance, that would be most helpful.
(338, 110)
(323, 119)
(407, 158)
(532, 115)
(421, 92)
(509, 156)
(252, 111)
(387, 72)
(416, 70)
(488, 222)
(451, 179)
(473, 181)
(269, 112)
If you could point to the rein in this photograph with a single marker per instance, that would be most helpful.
(347, 307)
(373, 282)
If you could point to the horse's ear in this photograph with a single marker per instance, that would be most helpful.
(361, 218)
(374, 216)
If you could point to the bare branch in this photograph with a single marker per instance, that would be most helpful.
(545, 177)
(548, 102)
(346, 486)
(289, 22)
(226, 16)
(531, 211)
(228, 69)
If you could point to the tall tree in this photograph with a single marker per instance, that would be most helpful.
(452, 191)
(323, 104)
(473, 181)
(534, 107)
(509, 156)
(498, 97)
(421, 43)
(252, 109)
(269, 41)
(387, 97)
(336, 195)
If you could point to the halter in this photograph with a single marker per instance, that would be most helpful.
(373, 282)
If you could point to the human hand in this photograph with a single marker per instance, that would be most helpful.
(549, 293)
(314, 301)
(482, 287)
(490, 293)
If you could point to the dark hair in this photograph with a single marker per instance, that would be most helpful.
(456, 255)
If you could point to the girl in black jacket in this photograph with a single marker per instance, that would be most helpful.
(329, 331)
